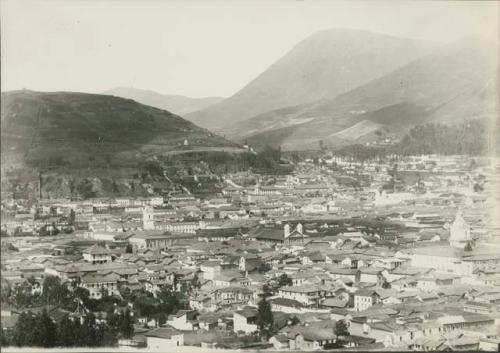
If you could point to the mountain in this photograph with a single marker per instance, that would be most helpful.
(179, 105)
(90, 138)
(324, 65)
(454, 83)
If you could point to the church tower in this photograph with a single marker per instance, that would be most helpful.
(148, 218)
(286, 230)
(459, 232)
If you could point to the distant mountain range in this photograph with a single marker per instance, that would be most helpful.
(179, 105)
(322, 66)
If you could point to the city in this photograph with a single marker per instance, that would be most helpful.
(406, 265)
(247, 176)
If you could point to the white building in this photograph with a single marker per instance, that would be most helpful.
(245, 320)
(459, 232)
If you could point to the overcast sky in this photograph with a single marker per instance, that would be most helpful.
(209, 48)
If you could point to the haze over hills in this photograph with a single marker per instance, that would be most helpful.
(454, 83)
(176, 104)
(324, 65)
(78, 135)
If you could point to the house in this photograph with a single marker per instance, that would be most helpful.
(233, 295)
(162, 339)
(97, 254)
(210, 269)
(286, 305)
(441, 258)
(97, 284)
(305, 294)
(313, 338)
(436, 280)
(151, 239)
(365, 298)
(226, 281)
(245, 320)
(250, 263)
(478, 307)
(185, 320)
(340, 272)
(371, 275)
(280, 342)
(312, 257)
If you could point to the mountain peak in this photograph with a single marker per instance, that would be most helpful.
(325, 64)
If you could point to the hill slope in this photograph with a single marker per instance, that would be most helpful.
(323, 65)
(454, 83)
(77, 138)
(179, 105)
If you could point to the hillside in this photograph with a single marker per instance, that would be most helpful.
(73, 136)
(179, 105)
(455, 83)
(324, 65)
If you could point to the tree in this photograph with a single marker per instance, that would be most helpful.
(66, 333)
(24, 329)
(126, 325)
(55, 292)
(265, 318)
(478, 188)
(169, 300)
(294, 321)
(284, 280)
(264, 267)
(195, 282)
(22, 295)
(468, 247)
(125, 292)
(129, 249)
(45, 331)
(71, 218)
(341, 331)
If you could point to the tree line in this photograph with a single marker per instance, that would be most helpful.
(40, 330)
(472, 137)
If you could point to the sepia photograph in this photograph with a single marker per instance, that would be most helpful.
(250, 176)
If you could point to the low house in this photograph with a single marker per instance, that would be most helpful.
(97, 254)
(185, 320)
(280, 342)
(245, 320)
(307, 295)
(233, 295)
(313, 339)
(210, 269)
(365, 298)
(286, 305)
(371, 275)
(164, 338)
(340, 272)
(478, 307)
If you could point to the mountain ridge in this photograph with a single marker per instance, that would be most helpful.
(447, 85)
(176, 104)
(323, 65)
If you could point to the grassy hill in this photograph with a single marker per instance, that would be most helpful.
(74, 138)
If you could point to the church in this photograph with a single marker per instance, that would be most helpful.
(459, 232)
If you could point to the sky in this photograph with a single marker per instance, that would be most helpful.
(196, 48)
